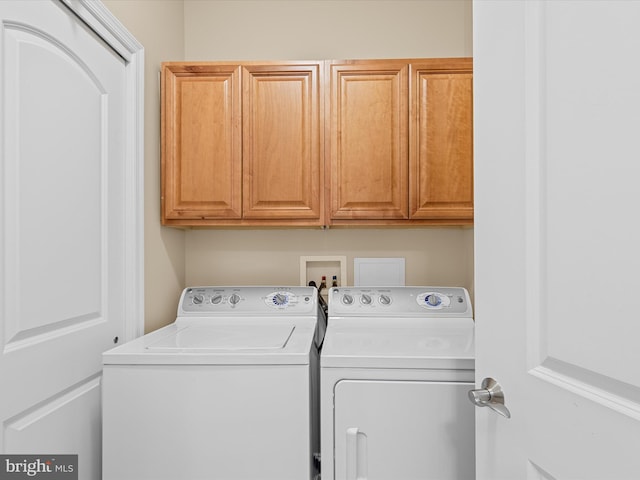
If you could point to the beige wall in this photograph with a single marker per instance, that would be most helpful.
(433, 256)
(326, 29)
(272, 30)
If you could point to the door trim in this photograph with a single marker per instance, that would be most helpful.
(97, 17)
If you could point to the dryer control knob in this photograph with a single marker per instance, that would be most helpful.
(365, 299)
(234, 299)
(216, 299)
(347, 299)
(385, 299)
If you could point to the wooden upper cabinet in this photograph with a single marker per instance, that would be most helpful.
(354, 142)
(242, 144)
(441, 139)
(201, 142)
(282, 142)
(368, 133)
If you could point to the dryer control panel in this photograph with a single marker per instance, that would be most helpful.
(399, 302)
(280, 300)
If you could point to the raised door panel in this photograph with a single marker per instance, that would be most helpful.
(368, 140)
(282, 141)
(202, 142)
(441, 139)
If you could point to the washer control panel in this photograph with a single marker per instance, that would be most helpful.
(248, 300)
(400, 301)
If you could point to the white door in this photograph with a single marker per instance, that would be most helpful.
(65, 284)
(557, 160)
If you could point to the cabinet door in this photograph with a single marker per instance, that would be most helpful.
(368, 139)
(282, 141)
(441, 139)
(201, 142)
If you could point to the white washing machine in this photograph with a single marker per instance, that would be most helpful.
(229, 391)
(396, 366)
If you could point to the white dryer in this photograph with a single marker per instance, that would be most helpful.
(228, 391)
(396, 366)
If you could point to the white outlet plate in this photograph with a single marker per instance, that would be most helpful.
(380, 272)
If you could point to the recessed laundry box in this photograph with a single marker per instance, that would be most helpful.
(396, 366)
(228, 391)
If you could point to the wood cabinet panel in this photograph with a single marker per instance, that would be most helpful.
(441, 139)
(201, 142)
(368, 140)
(282, 142)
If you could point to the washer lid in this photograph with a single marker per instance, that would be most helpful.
(220, 343)
(193, 338)
(431, 344)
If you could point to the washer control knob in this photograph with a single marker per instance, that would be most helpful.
(198, 299)
(234, 299)
(347, 299)
(216, 299)
(385, 299)
(433, 300)
(365, 299)
(280, 299)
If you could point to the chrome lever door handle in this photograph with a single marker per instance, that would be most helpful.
(490, 395)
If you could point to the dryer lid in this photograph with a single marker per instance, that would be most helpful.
(436, 344)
